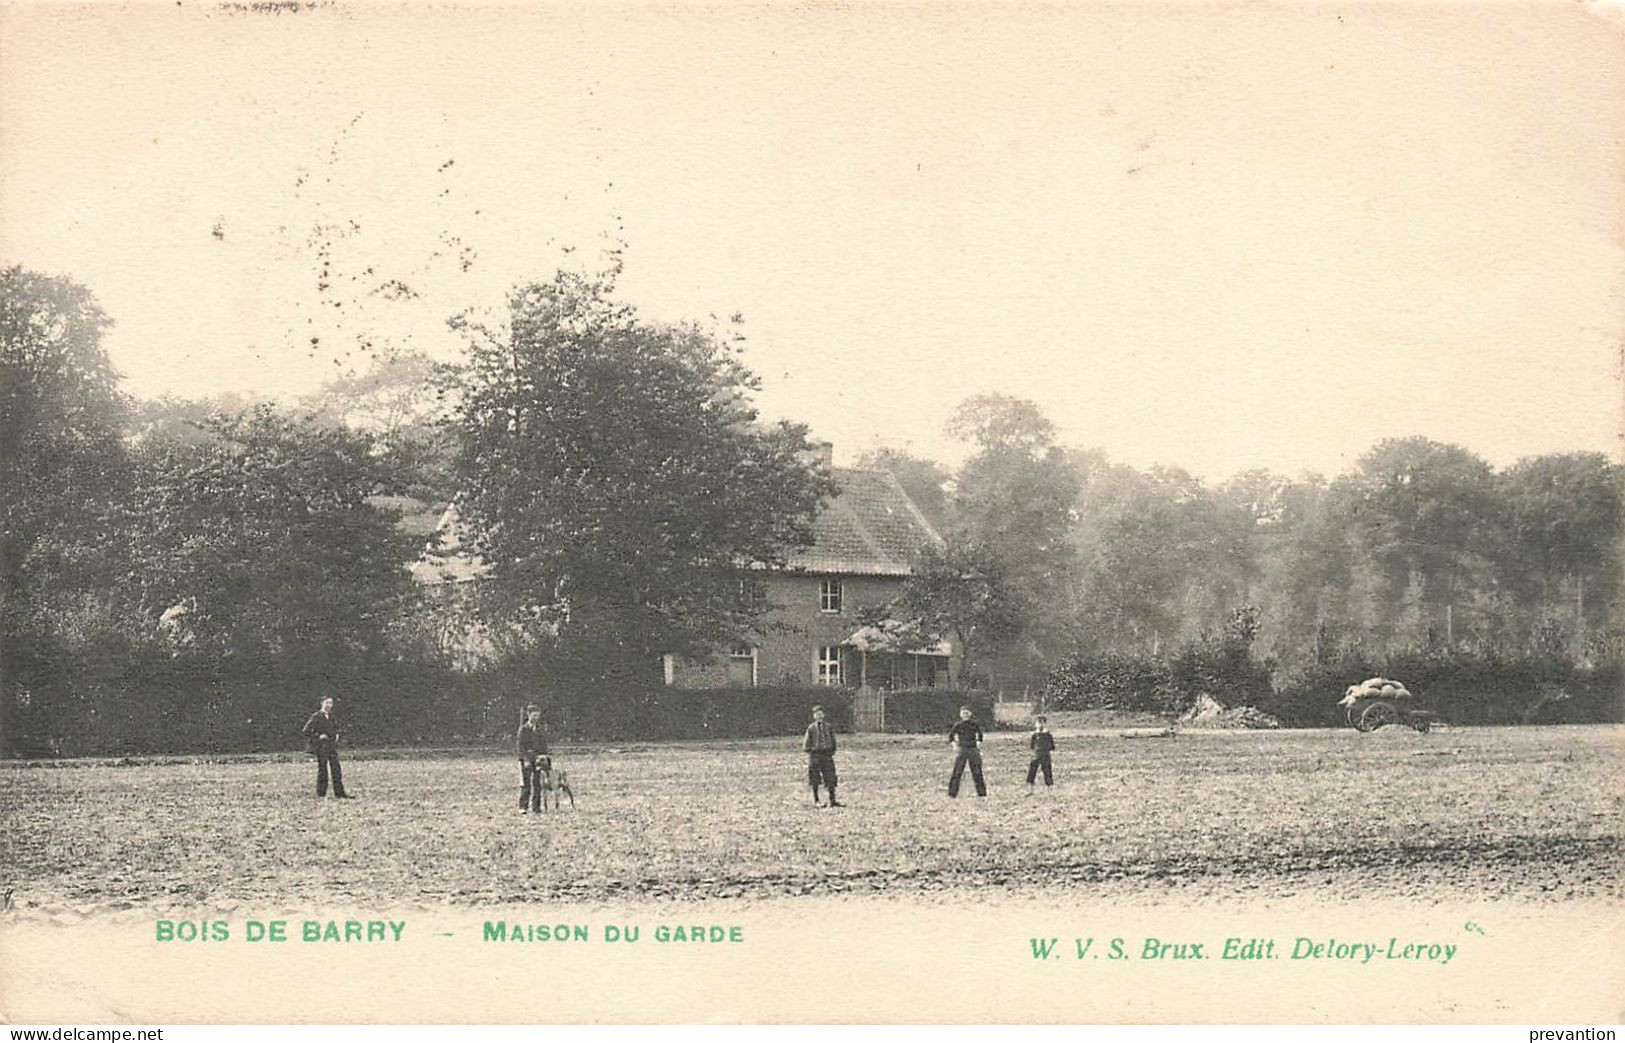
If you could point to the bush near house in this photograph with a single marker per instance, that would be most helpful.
(1156, 684)
(1111, 681)
(926, 710)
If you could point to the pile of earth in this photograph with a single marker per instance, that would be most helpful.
(1208, 712)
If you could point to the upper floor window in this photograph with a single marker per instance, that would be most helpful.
(829, 595)
(752, 594)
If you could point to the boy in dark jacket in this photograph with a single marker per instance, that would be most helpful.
(819, 744)
(533, 756)
(966, 735)
(322, 737)
(1042, 743)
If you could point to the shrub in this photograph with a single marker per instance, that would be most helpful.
(1110, 681)
(1224, 670)
(927, 710)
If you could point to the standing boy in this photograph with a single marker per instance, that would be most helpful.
(1042, 743)
(532, 760)
(322, 736)
(819, 743)
(966, 735)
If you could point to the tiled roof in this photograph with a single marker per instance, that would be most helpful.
(870, 528)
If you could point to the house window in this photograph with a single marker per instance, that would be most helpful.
(829, 595)
(829, 664)
(752, 594)
(742, 667)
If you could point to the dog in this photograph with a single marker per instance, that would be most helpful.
(554, 782)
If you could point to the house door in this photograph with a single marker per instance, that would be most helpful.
(869, 710)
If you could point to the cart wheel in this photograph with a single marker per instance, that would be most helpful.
(1376, 715)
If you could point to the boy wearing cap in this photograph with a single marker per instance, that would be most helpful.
(819, 745)
(1042, 743)
(532, 753)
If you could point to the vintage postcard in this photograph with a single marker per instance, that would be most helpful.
(812, 512)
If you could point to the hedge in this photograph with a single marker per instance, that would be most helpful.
(170, 706)
(1461, 686)
(680, 713)
(1155, 684)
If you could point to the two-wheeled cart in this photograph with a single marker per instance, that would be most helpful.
(1380, 702)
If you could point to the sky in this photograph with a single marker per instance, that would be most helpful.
(1211, 237)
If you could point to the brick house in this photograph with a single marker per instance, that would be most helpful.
(864, 541)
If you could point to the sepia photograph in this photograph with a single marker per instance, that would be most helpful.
(807, 513)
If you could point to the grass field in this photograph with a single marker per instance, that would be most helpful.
(1470, 813)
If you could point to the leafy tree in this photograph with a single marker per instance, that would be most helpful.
(1306, 564)
(62, 475)
(1162, 557)
(616, 478)
(1563, 531)
(998, 423)
(960, 591)
(1011, 509)
(265, 541)
(1261, 496)
(1425, 515)
(173, 420)
(60, 416)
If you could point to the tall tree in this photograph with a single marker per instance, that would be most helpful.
(1563, 530)
(1162, 557)
(62, 472)
(960, 591)
(997, 423)
(61, 412)
(1307, 569)
(616, 477)
(1011, 508)
(1426, 516)
(266, 540)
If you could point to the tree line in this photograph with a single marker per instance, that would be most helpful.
(159, 558)
(1055, 554)
(613, 476)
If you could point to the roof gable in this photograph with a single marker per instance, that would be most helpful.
(870, 528)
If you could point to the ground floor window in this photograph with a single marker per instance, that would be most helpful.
(742, 666)
(829, 664)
